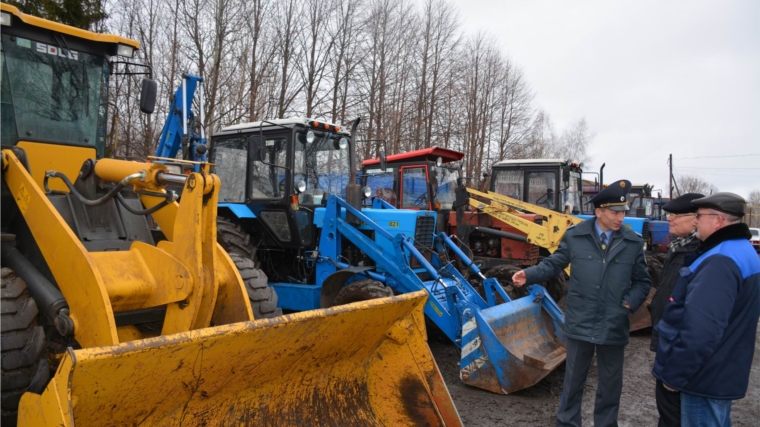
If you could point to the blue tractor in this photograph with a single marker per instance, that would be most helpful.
(289, 206)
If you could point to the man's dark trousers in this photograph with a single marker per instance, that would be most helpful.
(669, 406)
(609, 362)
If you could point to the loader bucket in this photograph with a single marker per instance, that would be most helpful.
(364, 364)
(511, 346)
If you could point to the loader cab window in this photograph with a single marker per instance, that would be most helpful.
(508, 183)
(231, 159)
(322, 163)
(52, 94)
(571, 196)
(414, 188)
(541, 189)
(381, 183)
(445, 182)
(268, 167)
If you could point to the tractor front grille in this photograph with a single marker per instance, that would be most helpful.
(423, 233)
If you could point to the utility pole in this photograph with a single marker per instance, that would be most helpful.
(670, 187)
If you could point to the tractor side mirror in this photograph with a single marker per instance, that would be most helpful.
(148, 96)
(383, 160)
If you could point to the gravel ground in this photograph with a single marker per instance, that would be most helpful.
(537, 406)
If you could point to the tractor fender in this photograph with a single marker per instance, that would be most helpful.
(239, 210)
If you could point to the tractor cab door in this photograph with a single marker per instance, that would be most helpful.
(414, 188)
(541, 188)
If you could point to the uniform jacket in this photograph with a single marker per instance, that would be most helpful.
(707, 332)
(599, 282)
(668, 278)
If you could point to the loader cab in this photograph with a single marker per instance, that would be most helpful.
(550, 183)
(421, 180)
(54, 89)
(275, 173)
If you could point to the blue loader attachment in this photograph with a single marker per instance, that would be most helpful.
(506, 346)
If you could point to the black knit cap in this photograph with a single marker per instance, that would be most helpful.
(726, 202)
(682, 204)
(613, 197)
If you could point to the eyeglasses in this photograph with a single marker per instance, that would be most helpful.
(674, 215)
(705, 214)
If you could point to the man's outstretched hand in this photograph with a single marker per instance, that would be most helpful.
(519, 278)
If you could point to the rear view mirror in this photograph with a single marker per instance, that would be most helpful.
(148, 96)
(383, 160)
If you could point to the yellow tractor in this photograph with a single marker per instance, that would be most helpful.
(104, 325)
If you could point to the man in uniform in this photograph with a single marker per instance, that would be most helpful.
(707, 332)
(608, 281)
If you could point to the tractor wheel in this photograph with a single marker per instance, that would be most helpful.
(233, 238)
(263, 298)
(24, 348)
(654, 266)
(504, 273)
(556, 287)
(362, 290)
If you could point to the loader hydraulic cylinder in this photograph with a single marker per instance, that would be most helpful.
(48, 297)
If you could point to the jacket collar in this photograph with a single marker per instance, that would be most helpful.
(730, 232)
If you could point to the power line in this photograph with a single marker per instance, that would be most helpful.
(725, 168)
(719, 157)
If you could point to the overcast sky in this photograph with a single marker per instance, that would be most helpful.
(651, 78)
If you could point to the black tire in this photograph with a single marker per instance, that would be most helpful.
(262, 297)
(233, 238)
(504, 273)
(362, 290)
(654, 267)
(24, 348)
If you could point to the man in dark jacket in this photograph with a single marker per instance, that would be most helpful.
(707, 332)
(608, 281)
(682, 223)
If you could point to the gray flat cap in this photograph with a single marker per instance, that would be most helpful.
(726, 202)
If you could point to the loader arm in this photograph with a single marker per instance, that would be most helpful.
(547, 235)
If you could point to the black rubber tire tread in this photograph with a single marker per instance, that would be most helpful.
(24, 348)
(233, 238)
(654, 266)
(362, 290)
(504, 273)
(263, 298)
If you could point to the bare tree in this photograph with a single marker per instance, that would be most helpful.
(573, 143)
(753, 209)
(694, 184)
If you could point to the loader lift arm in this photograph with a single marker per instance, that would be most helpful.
(547, 235)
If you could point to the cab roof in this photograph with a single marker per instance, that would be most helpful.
(64, 29)
(290, 122)
(426, 154)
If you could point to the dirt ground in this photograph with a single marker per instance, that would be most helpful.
(537, 405)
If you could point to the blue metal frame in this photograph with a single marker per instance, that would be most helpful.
(174, 127)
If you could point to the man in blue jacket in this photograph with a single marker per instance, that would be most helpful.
(707, 332)
(608, 281)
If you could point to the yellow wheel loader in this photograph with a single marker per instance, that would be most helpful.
(103, 326)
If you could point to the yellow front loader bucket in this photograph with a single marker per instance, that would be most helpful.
(362, 364)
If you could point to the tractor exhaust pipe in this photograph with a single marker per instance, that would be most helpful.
(353, 190)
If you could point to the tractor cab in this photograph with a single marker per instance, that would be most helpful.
(550, 183)
(423, 179)
(275, 173)
(643, 204)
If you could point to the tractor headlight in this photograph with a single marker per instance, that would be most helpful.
(438, 162)
(301, 186)
(124, 50)
(366, 192)
(343, 143)
(309, 137)
(5, 19)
